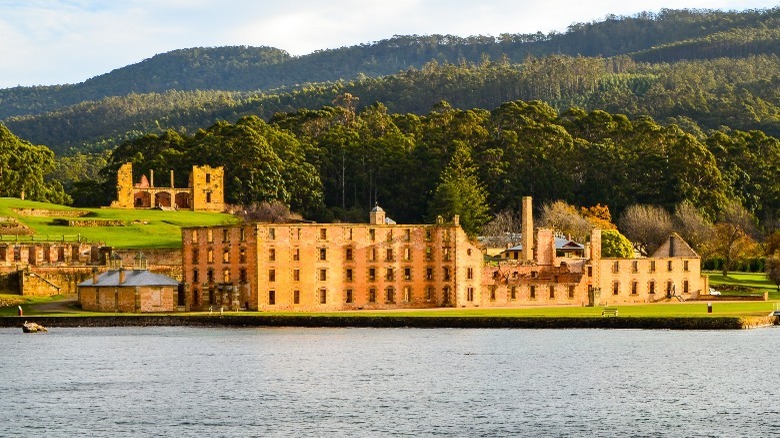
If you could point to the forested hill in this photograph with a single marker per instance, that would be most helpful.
(668, 36)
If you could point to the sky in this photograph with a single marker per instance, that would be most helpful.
(48, 42)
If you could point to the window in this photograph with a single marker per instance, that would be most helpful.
(209, 235)
(296, 275)
(371, 274)
(633, 288)
(208, 197)
(513, 293)
(470, 293)
(428, 253)
(323, 296)
(389, 254)
(615, 266)
(470, 273)
(372, 234)
(428, 234)
(652, 265)
(348, 296)
(194, 275)
(669, 266)
(615, 288)
(242, 255)
(210, 275)
(445, 298)
(225, 235)
(407, 273)
(225, 255)
(195, 255)
(372, 254)
(390, 236)
(532, 292)
(552, 292)
(669, 288)
(296, 254)
(429, 293)
(210, 255)
(571, 291)
(226, 275)
(390, 295)
(272, 233)
(446, 273)
(272, 254)
(208, 178)
(242, 275)
(296, 297)
(272, 275)
(429, 273)
(685, 265)
(590, 271)
(634, 267)
(407, 254)
(241, 234)
(348, 275)
(323, 274)
(407, 234)
(446, 253)
(323, 253)
(685, 287)
(271, 297)
(390, 275)
(372, 295)
(194, 236)
(323, 234)
(407, 294)
(348, 255)
(651, 288)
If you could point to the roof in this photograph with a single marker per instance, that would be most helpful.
(377, 209)
(674, 246)
(560, 243)
(132, 278)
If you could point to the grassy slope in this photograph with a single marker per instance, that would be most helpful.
(741, 282)
(161, 230)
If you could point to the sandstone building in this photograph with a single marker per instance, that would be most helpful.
(383, 265)
(204, 193)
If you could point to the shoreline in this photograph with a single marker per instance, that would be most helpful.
(649, 323)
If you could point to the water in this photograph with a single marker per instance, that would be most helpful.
(186, 381)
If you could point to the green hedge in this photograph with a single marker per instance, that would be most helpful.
(756, 264)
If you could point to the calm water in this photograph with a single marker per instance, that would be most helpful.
(376, 382)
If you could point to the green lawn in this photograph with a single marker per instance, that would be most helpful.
(143, 229)
(741, 283)
(28, 303)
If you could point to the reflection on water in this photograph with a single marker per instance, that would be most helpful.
(371, 382)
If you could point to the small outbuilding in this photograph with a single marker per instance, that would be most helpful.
(129, 290)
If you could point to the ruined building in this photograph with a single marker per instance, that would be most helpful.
(383, 265)
(205, 191)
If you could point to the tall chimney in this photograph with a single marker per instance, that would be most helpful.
(121, 275)
(151, 178)
(94, 275)
(172, 186)
(527, 228)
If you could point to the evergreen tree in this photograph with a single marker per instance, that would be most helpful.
(461, 193)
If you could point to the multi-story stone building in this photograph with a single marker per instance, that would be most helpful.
(310, 267)
(383, 265)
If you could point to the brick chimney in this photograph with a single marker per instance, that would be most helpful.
(527, 228)
(121, 275)
(94, 275)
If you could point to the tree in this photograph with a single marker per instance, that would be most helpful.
(564, 219)
(614, 244)
(460, 193)
(773, 269)
(732, 239)
(646, 226)
(689, 223)
(502, 229)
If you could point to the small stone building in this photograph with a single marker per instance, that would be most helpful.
(129, 290)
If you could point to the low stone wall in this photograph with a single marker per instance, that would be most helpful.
(764, 297)
(711, 323)
(154, 257)
(89, 222)
(42, 212)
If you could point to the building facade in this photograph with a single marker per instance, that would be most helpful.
(324, 267)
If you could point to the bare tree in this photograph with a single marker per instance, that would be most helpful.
(732, 237)
(689, 223)
(274, 212)
(503, 229)
(646, 226)
(773, 269)
(565, 219)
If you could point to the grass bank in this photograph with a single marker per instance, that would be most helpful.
(142, 228)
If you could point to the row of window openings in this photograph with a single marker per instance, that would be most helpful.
(372, 274)
(372, 254)
(226, 276)
(635, 266)
(532, 292)
(323, 235)
(225, 255)
(670, 287)
(390, 295)
(225, 235)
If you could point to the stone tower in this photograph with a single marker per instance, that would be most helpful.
(124, 187)
(207, 188)
(377, 216)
